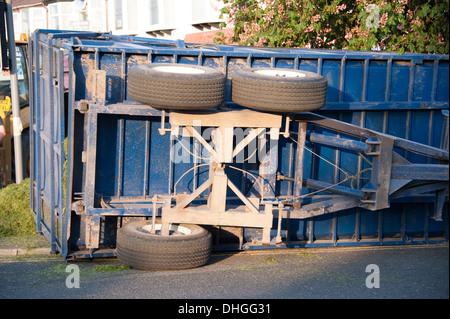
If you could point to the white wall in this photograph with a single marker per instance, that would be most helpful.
(141, 17)
(135, 17)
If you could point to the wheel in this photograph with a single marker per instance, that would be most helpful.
(279, 90)
(187, 246)
(176, 86)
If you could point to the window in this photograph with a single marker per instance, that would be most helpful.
(200, 9)
(25, 21)
(132, 14)
(119, 18)
(205, 10)
(169, 12)
(154, 12)
(5, 80)
(96, 15)
(65, 15)
(53, 17)
(38, 19)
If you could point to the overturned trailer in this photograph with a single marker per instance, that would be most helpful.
(136, 142)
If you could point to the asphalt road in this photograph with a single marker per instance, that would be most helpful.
(419, 272)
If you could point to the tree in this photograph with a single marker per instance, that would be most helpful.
(400, 25)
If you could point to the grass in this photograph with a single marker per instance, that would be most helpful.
(111, 268)
(85, 271)
(308, 255)
(268, 260)
(16, 217)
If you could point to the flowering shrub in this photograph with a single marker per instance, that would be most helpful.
(399, 25)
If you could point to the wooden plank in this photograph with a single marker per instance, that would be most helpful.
(195, 194)
(236, 118)
(204, 216)
(200, 138)
(299, 164)
(218, 197)
(244, 199)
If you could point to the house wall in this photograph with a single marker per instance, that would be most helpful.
(170, 19)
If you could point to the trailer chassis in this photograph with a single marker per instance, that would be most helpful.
(392, 176)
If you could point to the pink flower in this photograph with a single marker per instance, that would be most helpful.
(341, 8)
(256, 27)
(229, 20)
(260, 42)
(409, 14)
(247, 28)
(309, 29)
(348, 36)
(289, 43)
(384, 19)
(315, 18)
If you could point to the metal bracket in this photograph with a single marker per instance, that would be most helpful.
(377, 189)
(92, 231)
(390, 173)
(215, 211)
(78, 207)
(82, 106)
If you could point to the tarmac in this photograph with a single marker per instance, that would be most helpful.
(366, 272)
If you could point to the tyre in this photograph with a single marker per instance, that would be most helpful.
(279, 90)
(187, 246)
(176, 86)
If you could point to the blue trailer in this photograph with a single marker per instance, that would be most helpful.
(137, 141)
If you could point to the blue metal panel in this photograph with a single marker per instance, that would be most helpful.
(442, 81)
(378, 74)
(48, 130)
(398, 95)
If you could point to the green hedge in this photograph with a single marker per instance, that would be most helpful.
(16, 217)
(402, 25)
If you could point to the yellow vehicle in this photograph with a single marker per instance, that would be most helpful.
(7, 166)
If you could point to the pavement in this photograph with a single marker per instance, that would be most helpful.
(9, 252)
(24, 245)
(29, 271)
(386, 272)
